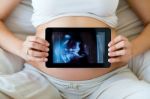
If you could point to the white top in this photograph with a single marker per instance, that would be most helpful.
(47, 10)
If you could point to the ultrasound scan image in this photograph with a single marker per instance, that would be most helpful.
(79, 48)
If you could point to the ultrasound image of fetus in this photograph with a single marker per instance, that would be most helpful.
(70, 49)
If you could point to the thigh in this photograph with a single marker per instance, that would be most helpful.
(28, 84)
(126, 89)
(123, 85)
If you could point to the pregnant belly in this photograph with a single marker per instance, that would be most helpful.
(73, 73)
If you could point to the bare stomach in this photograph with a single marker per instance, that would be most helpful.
(73, 73)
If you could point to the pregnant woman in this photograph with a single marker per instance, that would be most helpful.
(76, 83)
(56, 14)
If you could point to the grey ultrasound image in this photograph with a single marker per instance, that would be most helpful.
(79, 48)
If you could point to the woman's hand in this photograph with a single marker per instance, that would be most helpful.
(35, 49)
(119, 50)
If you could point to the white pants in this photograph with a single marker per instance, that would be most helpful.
(30, 83)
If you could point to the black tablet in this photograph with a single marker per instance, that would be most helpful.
(78, 47)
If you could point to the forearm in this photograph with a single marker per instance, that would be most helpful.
(142, 42)
(8, 41)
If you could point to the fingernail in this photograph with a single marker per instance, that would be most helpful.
(109, 44)
(45, 59)
(109, 60)
(47, 49)
(47, 54)
(109, 49)
(47, 44)
(108, 54)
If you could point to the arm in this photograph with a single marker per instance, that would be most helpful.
(142, 42)
(7, 40)
(32, 49)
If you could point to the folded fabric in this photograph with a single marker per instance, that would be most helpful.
(140, 65)
(9, 63)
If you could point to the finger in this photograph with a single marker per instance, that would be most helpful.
(38, 40)
(36, 46)
(38, 54)
(117, 53)
(114, 60)
(33, 59)
(120, 45)
(116, 40)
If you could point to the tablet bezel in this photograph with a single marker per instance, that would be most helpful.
(48, 35)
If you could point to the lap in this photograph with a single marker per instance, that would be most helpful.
(30, 84)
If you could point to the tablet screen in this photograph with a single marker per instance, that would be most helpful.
(78, 47)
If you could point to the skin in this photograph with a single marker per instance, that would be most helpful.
(142, 10)
(120, 49)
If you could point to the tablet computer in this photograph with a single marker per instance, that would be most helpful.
(78, 47)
